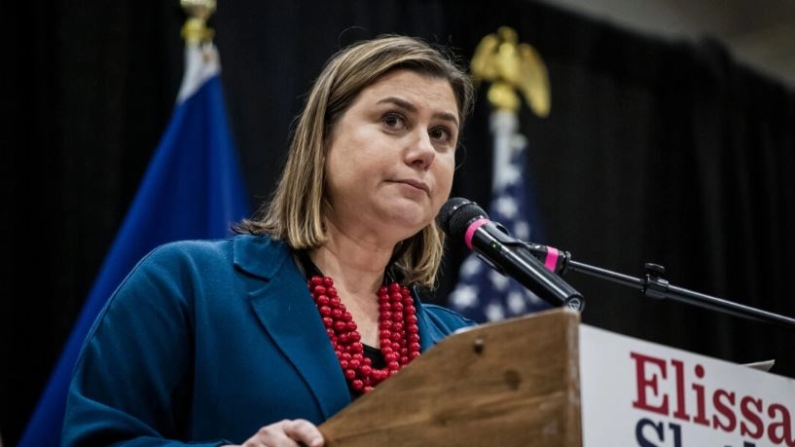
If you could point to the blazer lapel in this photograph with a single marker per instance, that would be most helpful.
(286, 311)
(429, 333)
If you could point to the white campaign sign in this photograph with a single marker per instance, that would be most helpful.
(637, 393)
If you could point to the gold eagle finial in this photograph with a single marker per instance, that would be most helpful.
(195, 29)
(510, 66)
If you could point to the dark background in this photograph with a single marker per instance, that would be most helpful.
(663, 151)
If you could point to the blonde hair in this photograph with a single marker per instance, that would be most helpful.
(295, 212)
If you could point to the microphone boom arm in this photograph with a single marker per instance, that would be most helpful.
(654, 286)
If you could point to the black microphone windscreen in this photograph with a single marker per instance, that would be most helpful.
(456, 215)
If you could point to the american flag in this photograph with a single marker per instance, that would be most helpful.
(482, 293)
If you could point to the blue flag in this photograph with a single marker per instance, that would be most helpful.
(482, 293)
(192, 189)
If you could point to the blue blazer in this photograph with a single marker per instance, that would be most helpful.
(207, 341)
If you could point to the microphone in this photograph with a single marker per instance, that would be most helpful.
(461, 218)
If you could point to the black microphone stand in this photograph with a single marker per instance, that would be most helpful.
(654, 286)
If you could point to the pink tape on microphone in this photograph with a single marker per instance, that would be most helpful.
(471, 231)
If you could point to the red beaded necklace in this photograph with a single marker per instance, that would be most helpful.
(398, 332)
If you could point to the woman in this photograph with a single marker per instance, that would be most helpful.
(256, 339)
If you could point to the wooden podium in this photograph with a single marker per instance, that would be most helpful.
(547, 380)
(513, 383)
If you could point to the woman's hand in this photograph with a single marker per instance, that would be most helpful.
(286, 433)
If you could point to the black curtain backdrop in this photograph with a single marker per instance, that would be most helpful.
(655, 151)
